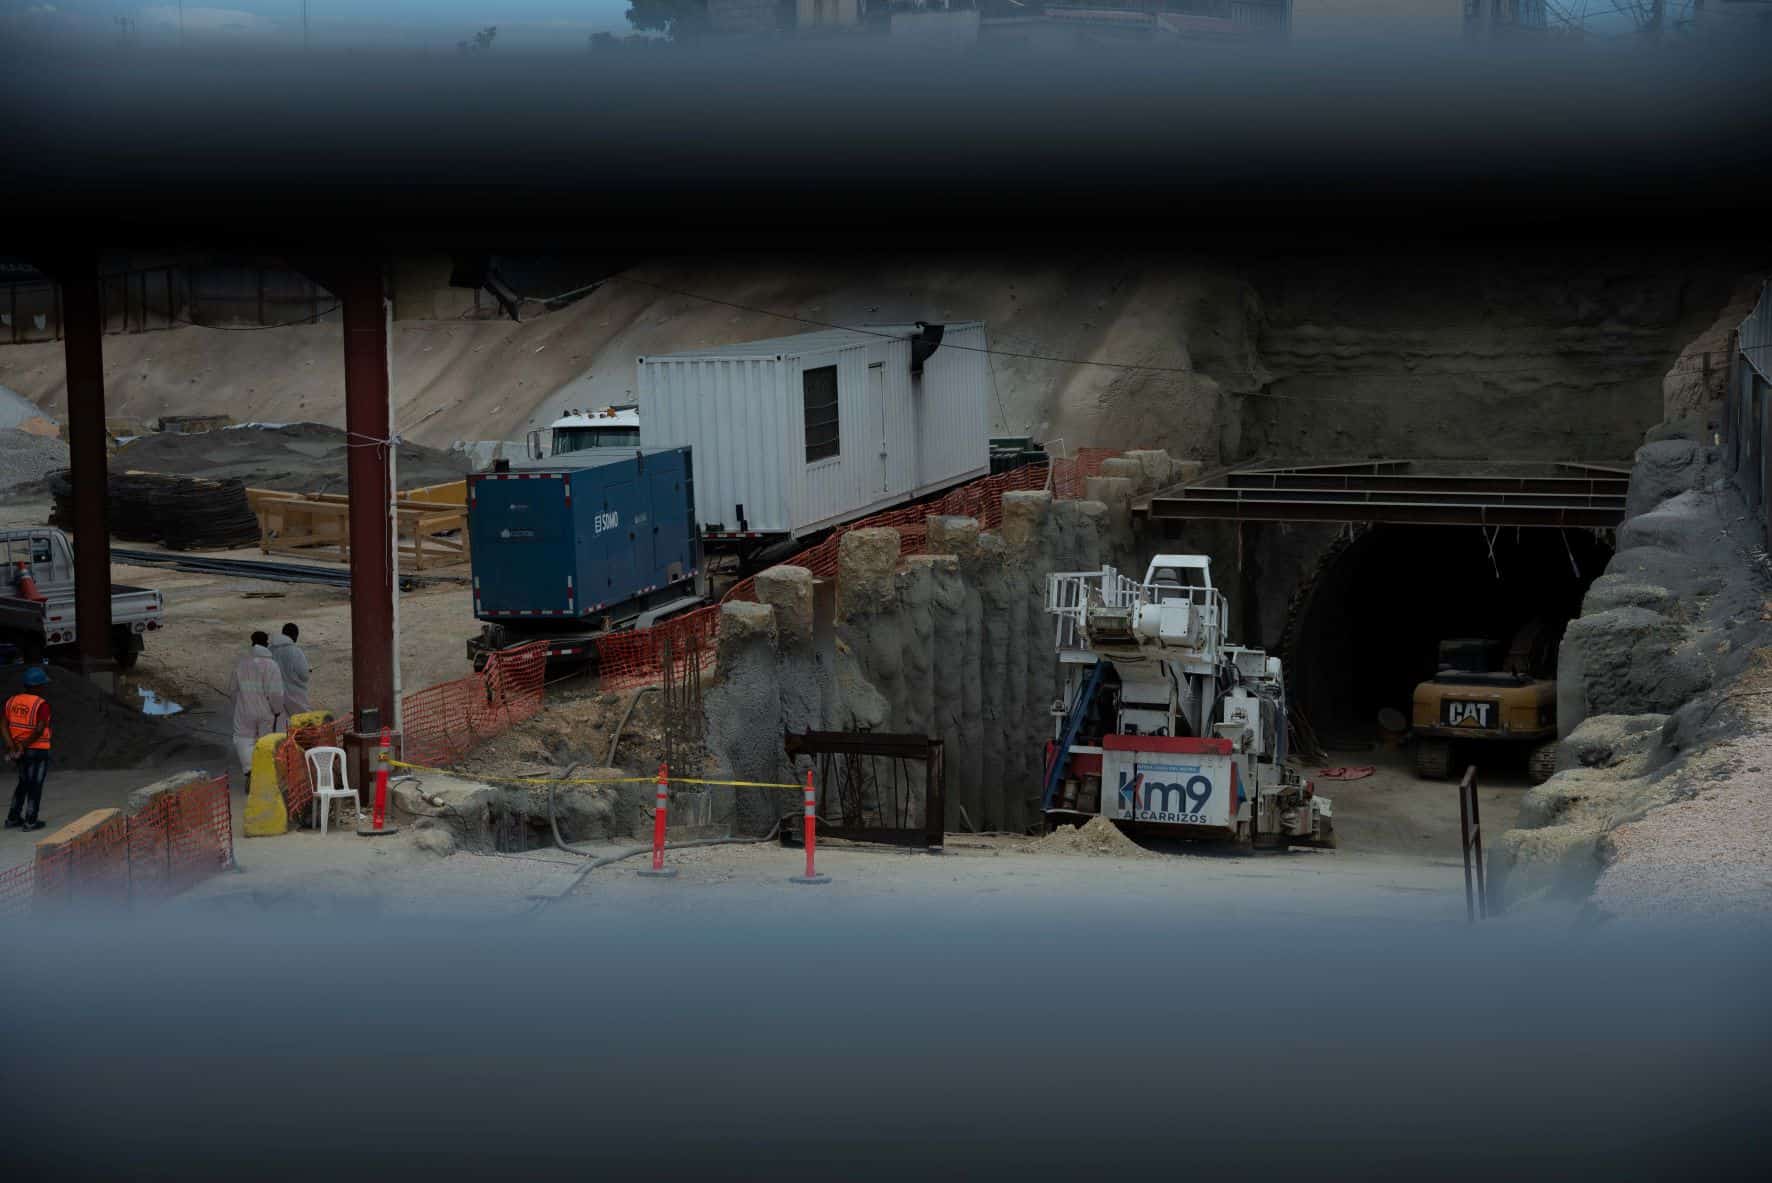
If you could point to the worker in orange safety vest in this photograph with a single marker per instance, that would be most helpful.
(27, 742)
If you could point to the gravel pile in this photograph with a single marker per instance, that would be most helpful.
(1709, 856)
(26, 460)
(294, 457)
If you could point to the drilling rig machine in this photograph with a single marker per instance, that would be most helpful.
(1164, 724)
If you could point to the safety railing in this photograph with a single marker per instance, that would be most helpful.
(1470, 834)
(1104, 605)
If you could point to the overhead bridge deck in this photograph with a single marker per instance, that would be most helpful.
(1394, 491)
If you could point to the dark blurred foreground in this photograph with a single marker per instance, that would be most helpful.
(862, 1041)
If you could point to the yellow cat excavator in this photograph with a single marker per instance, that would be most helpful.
(1480, 696)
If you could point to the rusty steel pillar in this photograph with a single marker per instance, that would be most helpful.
(83, 347)
(360, 287)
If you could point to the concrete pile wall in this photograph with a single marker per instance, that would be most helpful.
(1644, 674)
(955, 643)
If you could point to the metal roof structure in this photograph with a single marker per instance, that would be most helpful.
(1565, 493)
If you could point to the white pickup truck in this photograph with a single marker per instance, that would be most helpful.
(35, 625)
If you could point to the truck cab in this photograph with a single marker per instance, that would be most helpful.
(584, 431)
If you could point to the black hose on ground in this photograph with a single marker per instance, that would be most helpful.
(633, 851)
(615, 739)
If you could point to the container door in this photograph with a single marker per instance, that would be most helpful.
(877, 415)
(521, 545)
(615, 571)
(669, 525)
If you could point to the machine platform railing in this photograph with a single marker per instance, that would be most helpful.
(1104, 607)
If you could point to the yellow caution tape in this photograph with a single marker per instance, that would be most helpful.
(605, 780)
(737, 784)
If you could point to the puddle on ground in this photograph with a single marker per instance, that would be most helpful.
(153, 704)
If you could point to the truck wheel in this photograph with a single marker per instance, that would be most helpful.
(126, 646)
(1433, 758)
(1542, 763)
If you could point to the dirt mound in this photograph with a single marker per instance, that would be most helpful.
(94, 730)
(1097, 837)
(576, 727)
(26, 459)
(297, 457)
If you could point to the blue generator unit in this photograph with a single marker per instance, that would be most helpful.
(576, 546)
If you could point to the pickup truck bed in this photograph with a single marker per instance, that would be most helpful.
(35, 626)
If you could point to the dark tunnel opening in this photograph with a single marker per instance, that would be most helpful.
(1371, 626)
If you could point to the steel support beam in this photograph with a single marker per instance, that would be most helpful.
(360, 287)
(1408, 496)
(1400, 513)
(1405, 485)
(83, 347)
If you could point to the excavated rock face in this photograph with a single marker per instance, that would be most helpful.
(1663, 470)
(1606, 741)
(1472, 356)
(1628, 660)
(1644, 675)
(954, 643)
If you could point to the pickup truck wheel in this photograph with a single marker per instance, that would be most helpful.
(126, 646)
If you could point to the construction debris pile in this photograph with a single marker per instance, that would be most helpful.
(26, 458)
(183, 513)
(294, 457)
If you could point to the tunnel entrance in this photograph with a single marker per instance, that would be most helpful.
(1368, 626)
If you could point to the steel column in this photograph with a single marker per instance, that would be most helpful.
(83, 347)
(361, 291)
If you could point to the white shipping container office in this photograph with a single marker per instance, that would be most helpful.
(794, 434)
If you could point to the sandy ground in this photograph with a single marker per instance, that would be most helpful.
(1398, 858)
(209, 620)
(307, 872)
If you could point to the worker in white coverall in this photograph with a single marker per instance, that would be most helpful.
(257, 691)
(292, 663)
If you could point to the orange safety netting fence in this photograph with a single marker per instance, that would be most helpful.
(442, 723)
(179, 838)
(636, 658)
(292, 763)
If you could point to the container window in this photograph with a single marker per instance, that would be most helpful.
(819, 390)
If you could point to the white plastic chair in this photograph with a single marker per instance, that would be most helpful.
(321, 762)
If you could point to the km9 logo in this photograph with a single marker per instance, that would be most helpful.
(1165, 797)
